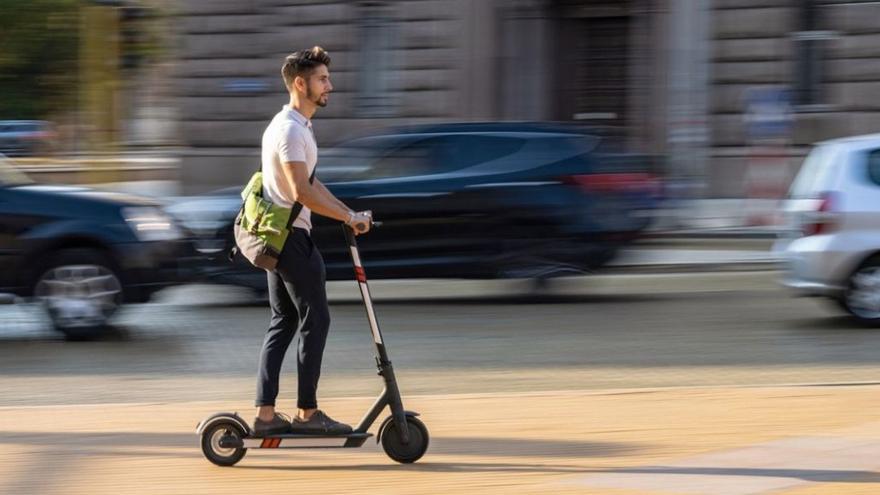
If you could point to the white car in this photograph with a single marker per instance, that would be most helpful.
(832, 244)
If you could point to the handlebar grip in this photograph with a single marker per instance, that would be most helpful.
(361, 227)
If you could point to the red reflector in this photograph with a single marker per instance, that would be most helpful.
(821, 221)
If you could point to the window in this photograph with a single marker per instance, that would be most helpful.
(376, 33)
(458, 152)
(815, 173)
(376, 158)
(874, 166)
(410, 159)
(810, 45)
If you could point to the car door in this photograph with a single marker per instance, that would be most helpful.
(17, 217)
(436, 196)
(8, 242)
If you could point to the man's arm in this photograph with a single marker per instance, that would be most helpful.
(317, 197)
(329, 195)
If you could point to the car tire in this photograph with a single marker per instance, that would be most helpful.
(80, 290)
(839, 304)
(862, 296)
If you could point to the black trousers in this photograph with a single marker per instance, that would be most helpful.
(298, 302)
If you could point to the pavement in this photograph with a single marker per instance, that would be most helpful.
(662, 384)
(719, 441)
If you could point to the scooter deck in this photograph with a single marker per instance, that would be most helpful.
(302, 441)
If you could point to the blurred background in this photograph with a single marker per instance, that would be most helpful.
(623, 176)
(729, 94)
(599, 122)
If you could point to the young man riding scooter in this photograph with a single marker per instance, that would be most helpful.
(297, 292)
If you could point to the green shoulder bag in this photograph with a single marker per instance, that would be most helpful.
(262, 227)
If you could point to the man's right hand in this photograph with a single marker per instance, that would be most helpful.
(361, 222)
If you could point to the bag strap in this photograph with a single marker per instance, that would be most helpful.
(297, 207)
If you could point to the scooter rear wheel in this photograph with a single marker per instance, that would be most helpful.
(214, 451)
(405, 453)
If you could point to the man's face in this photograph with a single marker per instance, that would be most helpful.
(318, 86)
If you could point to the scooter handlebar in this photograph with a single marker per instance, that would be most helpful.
(361, 227)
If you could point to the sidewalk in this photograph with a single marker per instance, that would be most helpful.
(720, 441)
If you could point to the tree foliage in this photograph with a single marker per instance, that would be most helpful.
(38, 57)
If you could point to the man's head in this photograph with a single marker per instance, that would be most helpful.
(307, 74)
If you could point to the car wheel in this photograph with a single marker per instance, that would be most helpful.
(839, 304)
(80, 289)
(862, 297)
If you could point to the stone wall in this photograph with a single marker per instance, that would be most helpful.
(753, 45)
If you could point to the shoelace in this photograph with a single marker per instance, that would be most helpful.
(283, 416)
(319, 417)
(323, 419)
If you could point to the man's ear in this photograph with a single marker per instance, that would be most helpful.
(299, 83)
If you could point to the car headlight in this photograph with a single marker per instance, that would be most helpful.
(151, 224)
(203, 217)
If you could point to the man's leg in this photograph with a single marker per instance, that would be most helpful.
(306, 284)
(313, 337)
(305, 280)
(281, 331)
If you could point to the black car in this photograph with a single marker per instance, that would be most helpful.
(461, 200)
(82, 252)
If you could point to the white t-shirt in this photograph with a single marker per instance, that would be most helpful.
(288, 138)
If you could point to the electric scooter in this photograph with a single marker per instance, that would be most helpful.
(226, 437)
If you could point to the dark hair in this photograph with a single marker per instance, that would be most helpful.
(303, 63)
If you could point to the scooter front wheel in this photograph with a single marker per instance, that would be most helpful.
(409, 452)
(218, 440)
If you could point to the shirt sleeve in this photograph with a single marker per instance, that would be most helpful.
(292, 147)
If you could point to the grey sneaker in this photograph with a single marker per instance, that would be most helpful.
(320, 424)
(279, 424)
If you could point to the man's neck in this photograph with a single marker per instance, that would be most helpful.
(303, 106)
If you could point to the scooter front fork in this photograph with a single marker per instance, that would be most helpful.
(392, 393)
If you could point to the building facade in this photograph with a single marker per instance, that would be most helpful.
(408, 62)
(714, 86)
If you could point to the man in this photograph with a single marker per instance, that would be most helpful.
(297, 294)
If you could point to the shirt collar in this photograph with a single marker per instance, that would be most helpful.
(298, 117)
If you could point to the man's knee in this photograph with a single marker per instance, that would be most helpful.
(283, 323)
(322, 317)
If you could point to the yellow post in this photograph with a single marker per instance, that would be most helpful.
(100, 78)
(100, 86)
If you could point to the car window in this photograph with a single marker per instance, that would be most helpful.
(815, 173)
(874, 166)
(376, 158)
(463, 151)
(347, 161)
(411, 158)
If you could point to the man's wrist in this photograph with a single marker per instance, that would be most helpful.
(351, 215)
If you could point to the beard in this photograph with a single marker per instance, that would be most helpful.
(320, 100)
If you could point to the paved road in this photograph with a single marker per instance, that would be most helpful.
(623, 332)
(608, 385)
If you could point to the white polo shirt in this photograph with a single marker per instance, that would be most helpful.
(288, 138)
